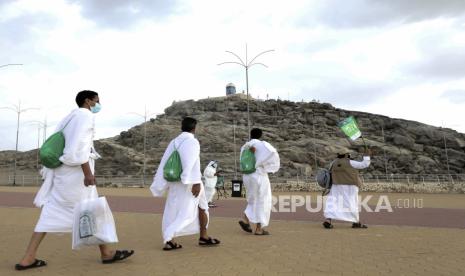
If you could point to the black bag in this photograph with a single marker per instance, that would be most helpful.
(324, 178)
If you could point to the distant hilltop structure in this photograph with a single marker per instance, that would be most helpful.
(231, 92)
(230, 89)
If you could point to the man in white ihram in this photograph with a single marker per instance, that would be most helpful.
(69, 184)
(186, 208)
(210, 181)
(257, 184)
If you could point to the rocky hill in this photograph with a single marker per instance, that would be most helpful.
(305, 134)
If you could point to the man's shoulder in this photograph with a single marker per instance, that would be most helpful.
(340, 161)
(83, 113)
(266, 143)
(183, 138)
(269, 146)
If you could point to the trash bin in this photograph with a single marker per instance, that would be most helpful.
(236, 188)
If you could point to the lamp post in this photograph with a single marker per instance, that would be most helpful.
(39, 126)
(443, 126)
(145, 115)
(247, 64)
(14, 173)
(10, 64)
(18, 110)
(384, 152)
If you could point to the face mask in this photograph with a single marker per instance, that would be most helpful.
(96, 108)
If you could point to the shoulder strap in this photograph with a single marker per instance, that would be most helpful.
(331, 164)
(67, 123)
(176, 148)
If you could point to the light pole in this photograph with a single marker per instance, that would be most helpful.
(314, 143)
(39, 126)
(44, 138)
(384, 152)
(10, 64)
(445, 150)
(18, 110)
(246, 65)
(14, 174)
(235, 154)
(145, 116)
(447, 155)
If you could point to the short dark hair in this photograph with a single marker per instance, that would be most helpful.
(83, 95)
(256, 133)
(188, 124)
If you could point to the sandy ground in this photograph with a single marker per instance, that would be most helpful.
(294, 248)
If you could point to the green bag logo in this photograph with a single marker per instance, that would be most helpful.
(350, 128)
(248, 161)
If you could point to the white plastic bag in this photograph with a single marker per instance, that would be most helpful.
(93, 223)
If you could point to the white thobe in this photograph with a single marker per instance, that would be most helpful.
(181, 214)
(210, 181)
(257, 184)
(64, 187)
(342, 202)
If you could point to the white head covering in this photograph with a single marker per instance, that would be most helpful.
(213, 163)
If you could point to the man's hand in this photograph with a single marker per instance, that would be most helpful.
(89, 180)
(196, 190)
(252, 149)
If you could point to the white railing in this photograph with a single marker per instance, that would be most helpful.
(438, 183)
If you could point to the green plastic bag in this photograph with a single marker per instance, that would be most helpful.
(173, 167)
(52, 149)
(350, 128)
(248, 161)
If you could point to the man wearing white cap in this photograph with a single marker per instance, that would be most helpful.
(343, 202)
(210, 181)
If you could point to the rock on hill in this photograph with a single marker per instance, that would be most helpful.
(305, 134)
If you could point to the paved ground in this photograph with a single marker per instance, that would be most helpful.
(407, 209)
(298, 244)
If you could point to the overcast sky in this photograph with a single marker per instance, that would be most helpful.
(403, 59)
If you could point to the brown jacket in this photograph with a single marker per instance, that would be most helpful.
(342, 173)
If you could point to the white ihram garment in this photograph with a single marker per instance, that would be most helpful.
(210, 181)
(181, 214)
(257, 184)
(64, 187)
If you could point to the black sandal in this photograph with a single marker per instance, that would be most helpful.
(119, 256)
(172, 246)
(328, 225)
(245, 226)
(208, 242)
(37, 263)
(359, 225)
